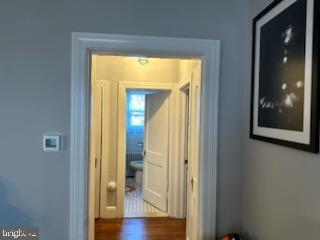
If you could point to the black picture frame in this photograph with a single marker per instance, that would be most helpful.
(265, 123)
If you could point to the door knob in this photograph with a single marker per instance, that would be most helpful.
(112, 186)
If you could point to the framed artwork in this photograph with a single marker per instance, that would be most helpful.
(284, 95)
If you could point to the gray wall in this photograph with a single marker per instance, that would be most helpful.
(35, 94)
(281, 193)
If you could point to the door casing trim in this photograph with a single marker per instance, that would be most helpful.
(123, 87)
(85, 43)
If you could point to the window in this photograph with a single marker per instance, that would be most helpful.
(135, 111)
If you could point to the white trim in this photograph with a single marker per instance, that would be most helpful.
(182, 174)
(147, 85)
(82, 44)
(121, 161)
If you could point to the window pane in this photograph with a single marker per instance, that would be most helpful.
(136, 110)
(137, 102)
(137, 120)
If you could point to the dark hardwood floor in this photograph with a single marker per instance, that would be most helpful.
(140, 229)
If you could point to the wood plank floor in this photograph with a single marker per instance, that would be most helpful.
(140, 229)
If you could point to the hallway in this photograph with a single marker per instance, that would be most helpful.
(140, 229)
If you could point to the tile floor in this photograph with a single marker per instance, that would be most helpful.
(136, 207)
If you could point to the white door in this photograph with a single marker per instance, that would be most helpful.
(193, 166)
(155, 171)
(94, 176)
(96, 145)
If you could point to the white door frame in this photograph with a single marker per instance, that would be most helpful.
(123, 87)
(82, 45)
(182, 102)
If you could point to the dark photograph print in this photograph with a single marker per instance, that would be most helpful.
(284, 99)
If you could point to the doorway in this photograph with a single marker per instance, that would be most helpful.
(207, 50)
(140, 120)
(147, 153)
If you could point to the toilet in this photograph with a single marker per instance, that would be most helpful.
(138, 168)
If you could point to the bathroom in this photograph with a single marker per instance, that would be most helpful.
(135, 205)
(134, 137)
